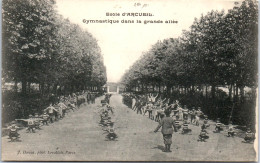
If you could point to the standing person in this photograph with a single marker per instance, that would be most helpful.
(133, 102)
(185, 113)
(149, 98)
(30, 122)
(167, 123)
(139, 106)
(59, 108)
(45, 118)
(136, 102)
(37, 121)
(197, 119)
(51, 111)
(180, 112)
(161, 102)
(192, 114)
(88, 97)
(153, 98)
(63, 108)
(93, 98)
(148, 108)
(199, 112)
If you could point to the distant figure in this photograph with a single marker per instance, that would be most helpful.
(111, 132)
(37, 121)
(180, 112)
(231, 131)
(50, 110)
(133, 102)
(107, 97)
(93, 98)
(88, 97)
(167, 124)
(250, 136)
(186, 129)
(177, 122)
(13, 131)
(192, 114)
(185, 112)
(218, 127)
(152, 98)
(30, 123)
(197, 117)
(139, 106)
(203, 135)
(45, 118)
(205, 123)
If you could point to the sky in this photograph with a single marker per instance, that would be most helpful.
(124, 43)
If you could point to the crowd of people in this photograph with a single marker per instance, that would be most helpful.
(174, 114)
(58, 109)
(106, 121)
(169, 114)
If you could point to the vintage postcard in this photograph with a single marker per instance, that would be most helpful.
(130, 80)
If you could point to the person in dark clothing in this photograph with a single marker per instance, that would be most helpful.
(192, 115)
(88, 97)
(167, 124)
(107, 97)
(93, 98)
(139, 106)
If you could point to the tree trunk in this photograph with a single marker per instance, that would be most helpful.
(230, 91)
(29, 87)
(72, 88)
(65, 89)
(206, 91)
(54, 89)
(241, 88)
(48, 88)
(24, 85)
(42, 88)
(236, 91)
(15, 86)
(142, 87)
(168, 90)
(192, 89)
(254, 93)
(213, 90)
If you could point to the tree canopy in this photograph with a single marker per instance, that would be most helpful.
(219, 49)
(40, 46)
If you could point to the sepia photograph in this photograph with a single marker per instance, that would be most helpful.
(129, 80)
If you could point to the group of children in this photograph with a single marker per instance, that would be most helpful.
(182, 115)
(54, 112)
(105, 120)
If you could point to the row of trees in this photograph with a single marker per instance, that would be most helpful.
(40, 46)
(219, 49)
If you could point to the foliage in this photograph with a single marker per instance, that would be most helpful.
(219, 50)
(40, 46)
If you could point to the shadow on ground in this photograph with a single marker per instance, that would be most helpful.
(159, 147)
